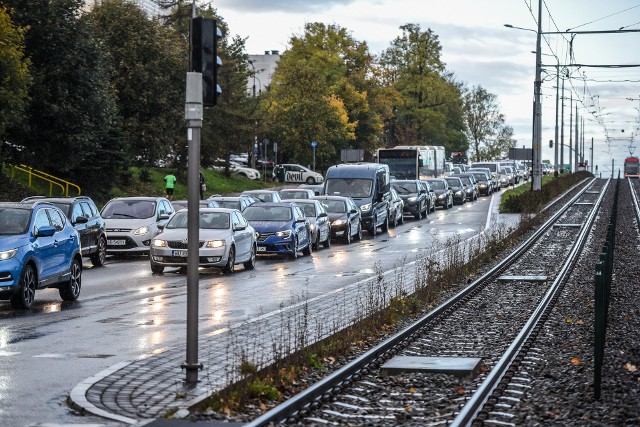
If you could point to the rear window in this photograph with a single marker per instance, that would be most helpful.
(490, 166)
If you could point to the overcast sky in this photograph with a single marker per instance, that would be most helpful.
(479, 50)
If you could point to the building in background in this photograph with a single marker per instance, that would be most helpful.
(264, 66)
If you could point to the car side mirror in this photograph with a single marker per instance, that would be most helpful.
(81, 220)
(353, 211)
(423, 191)
(45, 231)
(239, 227)
(163, 216)
(161, 226)
(323, 214)
(301, 220)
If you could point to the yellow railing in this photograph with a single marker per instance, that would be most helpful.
(53, 181)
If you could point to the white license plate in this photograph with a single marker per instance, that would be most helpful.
(179, 253)
(116, 242)
(262, 249)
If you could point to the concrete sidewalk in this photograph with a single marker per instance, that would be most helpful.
(143, 391)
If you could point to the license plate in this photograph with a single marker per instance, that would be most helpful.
(116, 242)
(262, 249)
(179, 253)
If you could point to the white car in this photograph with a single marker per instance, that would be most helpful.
(226, 239)
(298, 174)
(237, 168)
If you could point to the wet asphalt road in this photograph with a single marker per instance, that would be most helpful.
(125, 312)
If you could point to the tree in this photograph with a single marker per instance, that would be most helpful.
(71, 119)
(484, 120)
(148, 64)
(430, 109)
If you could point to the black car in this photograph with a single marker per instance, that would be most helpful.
(444, 195)
(344, 216)
(485, 186)
(396, 209)
(85, 218)
(456, 185)
(470, 186)
(414, 195)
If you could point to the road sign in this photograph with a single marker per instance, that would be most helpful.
(314, 144)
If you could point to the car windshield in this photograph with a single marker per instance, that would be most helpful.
(480, 176)
(229, 204)
(207, 220)
(309, 210)
(453, 182)
(136, 209)
(14, 221)
(465, 180)
(268, 213)
(405, 187)
(437, 185)
(349, 187)
(335, 206)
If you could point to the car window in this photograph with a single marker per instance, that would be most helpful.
(179, 220)
(405, 187)
(14, 221)
(87, 209)
(135, 209)
(42, 220)
(298, 213)
(349, 187)
(214, 220)
(56, 219)
(335, 206)
(239, 219)
(77, 211)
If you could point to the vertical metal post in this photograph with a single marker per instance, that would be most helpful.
(194, 116)
(591, 155)
(537, 114)
(570, 132)
(555, 157)
(577, 143)
(562, 130)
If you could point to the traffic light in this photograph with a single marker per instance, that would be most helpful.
(204, 57)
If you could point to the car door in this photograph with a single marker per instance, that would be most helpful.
(300, 225)
(64, 241)
(93, 224)
(44, 247)
(241, 237)
(354, 217)
(84, 231)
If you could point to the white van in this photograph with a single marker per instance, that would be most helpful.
(494, 167)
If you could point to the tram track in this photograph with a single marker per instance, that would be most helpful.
(482, 321)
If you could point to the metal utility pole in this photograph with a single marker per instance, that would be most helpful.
(570, 132)
(591, 155)
(555, 157)
(577, 145)
(562, 130)
(537, 110)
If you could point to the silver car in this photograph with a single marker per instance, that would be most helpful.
(320, 226)
(132, 222)
(226, 239)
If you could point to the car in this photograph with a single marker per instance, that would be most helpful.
(483, 179)
(396, 208)
(133, 221)
(444, 195)
(470, 186)
(431, 195)
(414, 196)
(345, 217)
(282, 228)
(457, 187)
(296, 193)
(39, 249)
(240, 202)
(226, 239)
(221, 165)
(494, 178)
(182, 204)
(320, 225)
(297, 173)
(317, 188)
(263, 195)
(85, 217)
(510, 173)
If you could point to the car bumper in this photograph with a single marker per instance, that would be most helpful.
(9, 278)
(411, 208)
(168, 257)
(273, 245)
(128, 243)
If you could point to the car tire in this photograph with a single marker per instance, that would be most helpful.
(311, 181)
(26, 289)
(385, 225)
(359, 233)
(294, 254)
(70, 290)
(418, 214)
(156, 268)
(98, 257)
(347, 234)
(327, 243)
(425, 212)
(229, 267)
(316, 243)
(251, 264)
(401, 220)
(394, 222)
(308, 250)
(374, 227)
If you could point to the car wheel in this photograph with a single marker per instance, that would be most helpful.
(425, 212)
(374, 227)
(394, 221)
(156, 268)
(70, 290)
(308, 250)
(294, 254)
(385, 224)
(327, 243)
(418, 214)
(451, 204)
(231, 261)
(251, 264)
(359, 233)
(347, 234)
(27, 289)
(311, 180)
(316, 242)
(98, 257)
(401, 220)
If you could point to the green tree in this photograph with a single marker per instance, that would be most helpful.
(71, 120)
(430, 109)
(148, 72)
(484, 121)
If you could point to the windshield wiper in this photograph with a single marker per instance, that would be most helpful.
(124, 214)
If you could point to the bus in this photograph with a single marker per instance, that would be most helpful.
(413, 161)
(632, 167)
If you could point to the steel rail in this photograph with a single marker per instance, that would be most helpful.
(475, 404)
(634, 197)
(333, 383)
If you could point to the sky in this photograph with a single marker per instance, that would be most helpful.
(479, 50)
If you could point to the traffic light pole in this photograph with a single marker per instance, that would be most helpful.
(194, 116)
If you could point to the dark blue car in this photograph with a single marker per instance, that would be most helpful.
(39, 248)
(282, 228)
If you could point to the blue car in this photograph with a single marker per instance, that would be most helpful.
(282, 228)
(39, 248)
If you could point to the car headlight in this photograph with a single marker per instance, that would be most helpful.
(458, 193)
(142, 230)
(442, 196)
(412, 199)
(284, 234)
(215, 244)
(8, 254)
(482, 185)
(339, 222)
(312, 227)
(365, 208)
(159, 243)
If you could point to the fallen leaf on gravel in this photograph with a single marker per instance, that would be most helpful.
(263, 406)
(626, 318)
(580, 322)
(576, 361)
(408, 408)
(412, 390)
(569, 320)
(227, 411)
(460, 390)
(630, 367)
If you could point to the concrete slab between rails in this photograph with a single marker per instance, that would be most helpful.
(458, 366)
(523, 278)
(567, 225)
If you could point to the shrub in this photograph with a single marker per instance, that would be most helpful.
(533, 201)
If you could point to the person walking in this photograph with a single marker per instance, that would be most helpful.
(170, 182)
(203, 186)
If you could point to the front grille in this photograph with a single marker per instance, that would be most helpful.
(264, 236)
(118, 230)
(175, 244)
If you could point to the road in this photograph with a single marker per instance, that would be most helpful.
(125, 312)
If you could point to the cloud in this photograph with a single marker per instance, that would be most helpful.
(293, 6)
